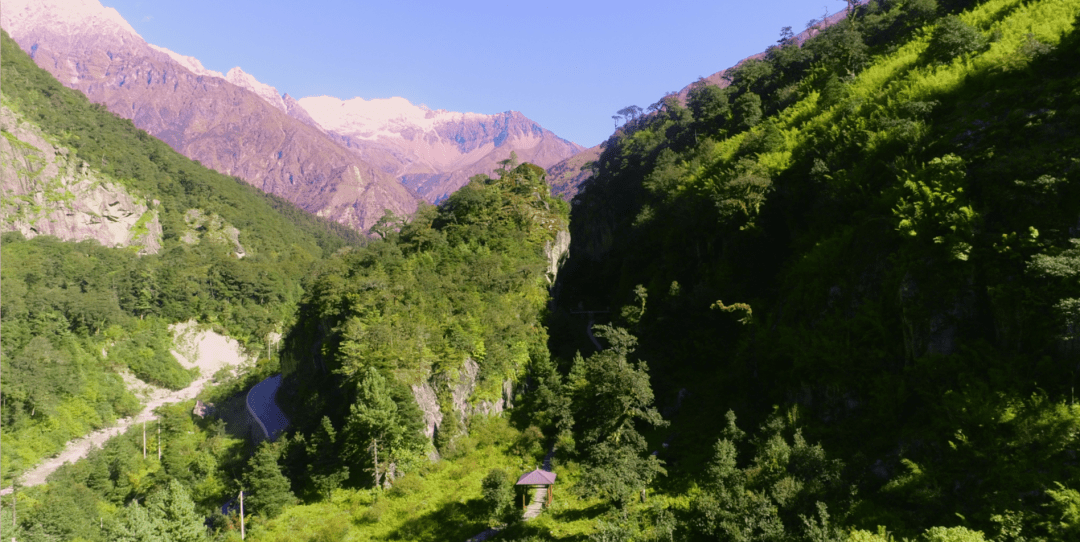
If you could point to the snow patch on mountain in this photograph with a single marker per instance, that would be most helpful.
(64, 17)
(247, 81)
(189, 62)
(378, 118)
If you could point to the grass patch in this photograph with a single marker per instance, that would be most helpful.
(442, 500)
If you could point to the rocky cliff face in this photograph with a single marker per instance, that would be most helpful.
(296, 111)
(227, 127)
(463, 404)
(48, 191)
(556, 253)
(434, 152)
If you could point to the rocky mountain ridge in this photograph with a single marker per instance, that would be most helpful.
(435, 152)
(346, 167)
(207, 118)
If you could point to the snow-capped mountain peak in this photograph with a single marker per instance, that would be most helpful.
(403, 148)
(188, 62)
(247, 81)
(67, 16)
(372, 119)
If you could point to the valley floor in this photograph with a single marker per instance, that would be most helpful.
(204, 349)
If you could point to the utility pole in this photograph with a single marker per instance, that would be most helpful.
(144, 439)
(375, 450)
(159, 441)
(241, 514)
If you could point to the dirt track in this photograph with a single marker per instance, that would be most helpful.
(204, 349)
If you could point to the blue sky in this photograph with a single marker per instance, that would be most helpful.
(568, 65)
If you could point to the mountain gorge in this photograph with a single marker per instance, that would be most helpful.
(853, 307)
(834, 299)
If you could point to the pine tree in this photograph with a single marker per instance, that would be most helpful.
(324, 452)
(134, 525)
(611, 396)
(373, 421)
(173, 516)
(266, 489)
(497, 489)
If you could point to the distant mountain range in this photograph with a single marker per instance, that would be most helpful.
(348, 160)
(434, 152)
(345, 160)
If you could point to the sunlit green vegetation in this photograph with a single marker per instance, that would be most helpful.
(464, 283)
(90, 499)
(74, 313)
(878, 242)
(437, 501)
(838, 301)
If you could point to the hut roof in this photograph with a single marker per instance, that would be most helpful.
(537, 478)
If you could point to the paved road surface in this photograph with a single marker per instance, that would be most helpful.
(262, 404)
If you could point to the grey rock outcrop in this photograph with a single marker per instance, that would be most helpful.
(556, 254)
(211, 228)
(461, 394)
(462, 400)
(48, 191)
(497, 407)
(429, 405)
(463, 390)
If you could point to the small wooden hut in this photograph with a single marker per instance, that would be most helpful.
(537, 478)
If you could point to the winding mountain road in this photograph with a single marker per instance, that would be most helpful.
(262, 405)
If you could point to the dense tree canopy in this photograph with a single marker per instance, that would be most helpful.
(73, 313)
(866, 246)
(460, 285)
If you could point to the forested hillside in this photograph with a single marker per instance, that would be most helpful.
(836, 300)
(75, 312)
(870, 243)
(840, 295)
(450, 301)
(414, 333)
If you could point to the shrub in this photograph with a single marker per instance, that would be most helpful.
(748, 110)
(952, 534)
(498, 494)
(953, 38)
